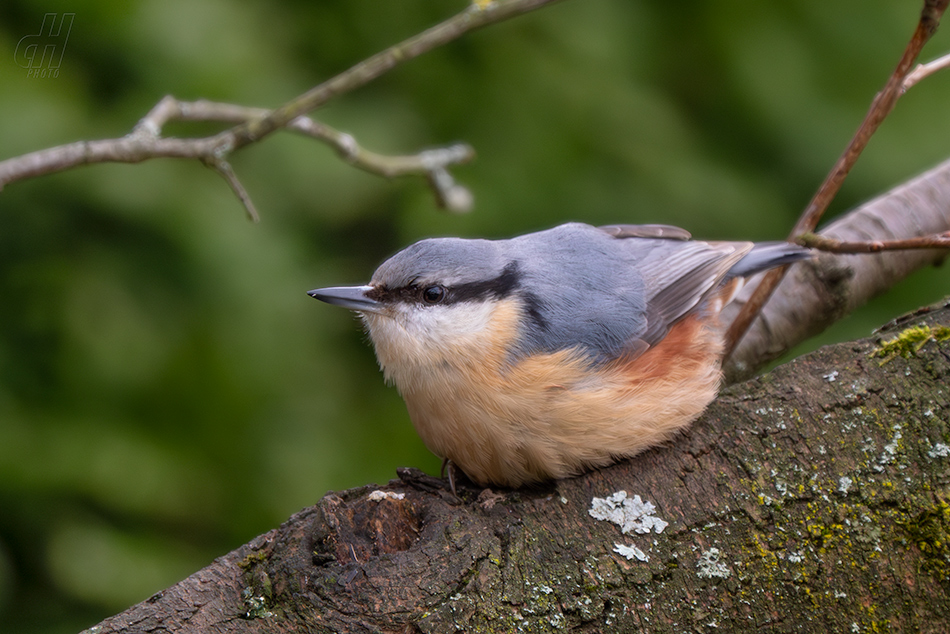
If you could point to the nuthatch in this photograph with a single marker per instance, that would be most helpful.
(558, 351)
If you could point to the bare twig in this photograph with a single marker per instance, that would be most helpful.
(145, 141)
(925, 70)
(346, 146)
(821, 292)
(431, 163)
(831, 245)
(473, 17)
(881, 106)
(224, 168)
(161, 113)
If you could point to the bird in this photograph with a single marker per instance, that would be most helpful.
(553, 353)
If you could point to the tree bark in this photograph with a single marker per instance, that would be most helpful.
(816, 294)
(811, 499)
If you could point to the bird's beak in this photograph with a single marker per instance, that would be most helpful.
(352, 297)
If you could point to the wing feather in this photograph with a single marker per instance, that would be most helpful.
(679, 275)
(646, 231)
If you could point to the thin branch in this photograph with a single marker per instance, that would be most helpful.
(145, 142)
(133, 148)
(429, 163)
(253, 124)
(449, 194)
(224, 168)
(475, 16)
(161, 113)
(819, 293)
(346, 146)
(881, 106)
(831, 245)
(925, 70)
(420, 164)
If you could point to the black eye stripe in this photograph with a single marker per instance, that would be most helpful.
(414, 293)
(497, 288)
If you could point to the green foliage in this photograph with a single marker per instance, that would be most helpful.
(168, 391)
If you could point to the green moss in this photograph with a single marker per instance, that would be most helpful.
(252, 560)
(910, 341)
(258, 594)
(929, 530)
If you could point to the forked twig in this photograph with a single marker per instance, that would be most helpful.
(253, 124)
(881, 106)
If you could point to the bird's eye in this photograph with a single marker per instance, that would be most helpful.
(433, 294)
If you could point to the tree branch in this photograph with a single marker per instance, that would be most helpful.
(816, 495)
(818, 293)
(881, 106)
(475, 16)
(253, 124)
(171, 109)
(830, 245)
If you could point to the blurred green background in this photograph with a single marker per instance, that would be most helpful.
(168, 391)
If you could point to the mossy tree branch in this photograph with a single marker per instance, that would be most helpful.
(814, 498)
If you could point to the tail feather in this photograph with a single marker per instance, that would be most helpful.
(768, 255)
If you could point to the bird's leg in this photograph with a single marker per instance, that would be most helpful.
(430, 484)
(449, 468)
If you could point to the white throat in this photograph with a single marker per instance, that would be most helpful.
(420, 343)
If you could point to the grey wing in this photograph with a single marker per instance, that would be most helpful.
(679, 275)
